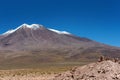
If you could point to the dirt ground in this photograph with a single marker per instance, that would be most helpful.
(28, 77)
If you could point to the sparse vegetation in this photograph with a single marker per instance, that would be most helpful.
(25, 74)
(45, 71)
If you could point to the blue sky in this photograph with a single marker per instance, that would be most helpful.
(95, 19)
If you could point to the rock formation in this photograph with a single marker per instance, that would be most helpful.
(104, 70)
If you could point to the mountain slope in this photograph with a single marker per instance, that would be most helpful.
(35, 43)
(25, 38)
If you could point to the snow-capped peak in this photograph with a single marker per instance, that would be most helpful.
(34, 27)
(59, 32)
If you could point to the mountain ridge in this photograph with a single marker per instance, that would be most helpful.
(34, 27)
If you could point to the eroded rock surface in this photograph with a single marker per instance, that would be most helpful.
(105, 70)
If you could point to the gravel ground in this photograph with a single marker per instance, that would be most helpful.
(28, 77)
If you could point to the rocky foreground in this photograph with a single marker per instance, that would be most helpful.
(105, 70)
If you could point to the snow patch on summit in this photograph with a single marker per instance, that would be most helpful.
(32, 26)
(9, 32)
(59, 32)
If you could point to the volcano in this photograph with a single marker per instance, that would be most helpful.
(36, 43)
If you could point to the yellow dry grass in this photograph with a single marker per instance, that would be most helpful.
(25, 74)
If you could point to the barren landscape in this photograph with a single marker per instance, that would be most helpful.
(44, 72)
(102, 70)
(59, 39)
(34, 52)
